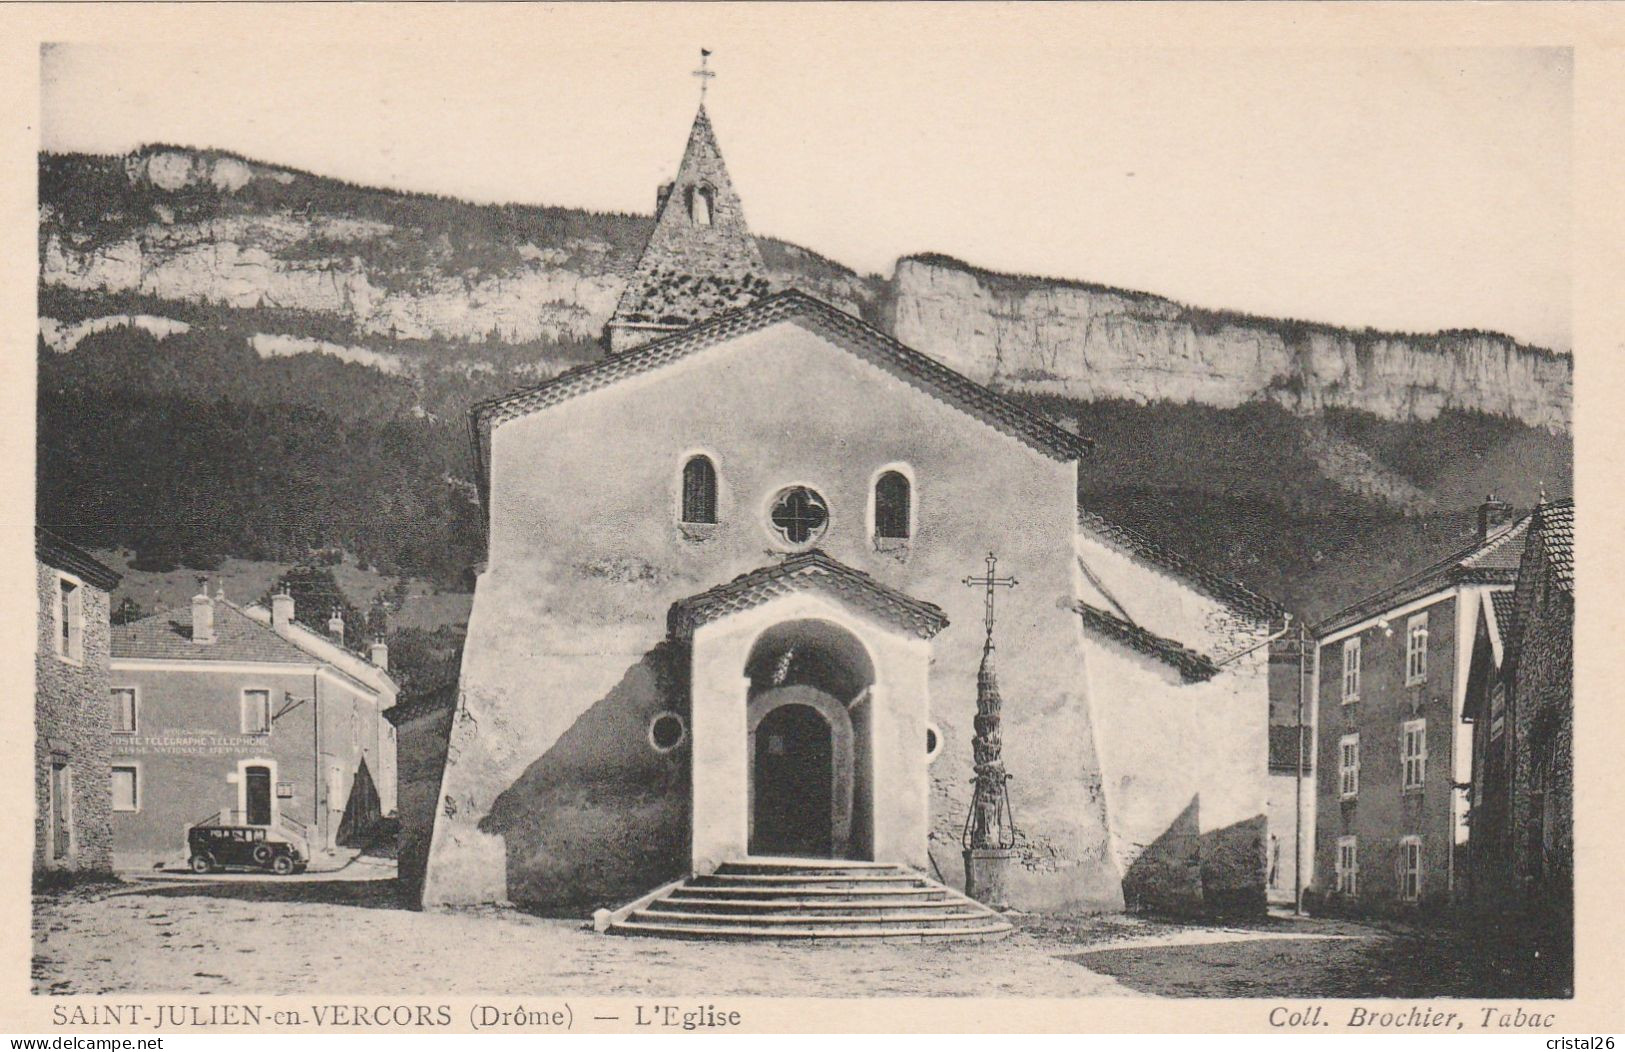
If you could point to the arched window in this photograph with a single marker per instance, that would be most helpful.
(891, 506)
(701, 205)
(699, 490)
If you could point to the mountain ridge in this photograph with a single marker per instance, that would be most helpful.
(243, 360)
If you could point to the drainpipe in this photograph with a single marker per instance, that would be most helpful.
(1297, 787)
(1286, 626)
(316, 766)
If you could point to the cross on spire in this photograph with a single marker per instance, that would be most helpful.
(990, 581)
(705, 73)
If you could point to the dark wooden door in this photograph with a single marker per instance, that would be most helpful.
(794, 775)
(259, 796)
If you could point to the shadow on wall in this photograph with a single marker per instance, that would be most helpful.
(1190, 873)
(602, 816)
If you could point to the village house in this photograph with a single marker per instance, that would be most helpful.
(71, 720)
(1521, 702)
(247, 717)
(731, 637)
(1394, 748)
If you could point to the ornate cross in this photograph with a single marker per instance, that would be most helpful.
(991, 581)
(704, 73)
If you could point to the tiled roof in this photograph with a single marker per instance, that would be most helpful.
(1492, 561)
(1500, 553)
(1214, 584)
(237, 637)
(1283, 742)
(1504, 602)
(1555, 523)
(846, 331)
(1193, 666)
(816, 572)
(54, 551)
(328, 652)
(440, 698)
(671, 299)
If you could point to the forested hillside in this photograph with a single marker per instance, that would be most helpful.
(243, 360)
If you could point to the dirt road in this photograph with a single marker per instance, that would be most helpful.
(182, 934)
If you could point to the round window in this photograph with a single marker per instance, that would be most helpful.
(799, 516)
(666, 731)
(933, 742)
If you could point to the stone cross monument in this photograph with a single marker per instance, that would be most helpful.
(989, 837)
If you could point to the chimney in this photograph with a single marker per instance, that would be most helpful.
(1491, 514)
(335, 626)
(378, 654)
(281, 612)
(202, 613)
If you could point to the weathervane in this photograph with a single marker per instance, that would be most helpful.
(704, 73)
(991, 581)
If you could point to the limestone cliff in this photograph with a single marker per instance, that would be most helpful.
(202, 227)
(354, 265)
(1090, 342)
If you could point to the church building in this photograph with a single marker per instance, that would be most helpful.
(732, 619)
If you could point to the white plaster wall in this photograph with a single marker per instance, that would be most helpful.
(1158, 600)
(1282, 798)
(1168, 746)
(586, 560)
(899, 710)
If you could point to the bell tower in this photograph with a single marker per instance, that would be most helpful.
(700, 259)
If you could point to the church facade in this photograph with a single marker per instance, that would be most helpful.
(724, 617)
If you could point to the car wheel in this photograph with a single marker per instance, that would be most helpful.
(282, 865)
(262, 854)
(202, 864)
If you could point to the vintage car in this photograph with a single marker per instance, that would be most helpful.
(214, 847)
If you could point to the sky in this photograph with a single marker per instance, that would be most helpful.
(1411, 190)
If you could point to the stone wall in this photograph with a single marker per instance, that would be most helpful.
(1541, 836)
(72, 725)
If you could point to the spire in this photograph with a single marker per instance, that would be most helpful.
(700, 259)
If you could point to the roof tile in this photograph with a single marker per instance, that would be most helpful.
(1491, 561)
(1193, 666)
(812, 571)
(1555, 524)
(238, 637)
(1214, 584)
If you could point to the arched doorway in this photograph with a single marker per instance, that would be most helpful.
(810, 783)
(794, 778)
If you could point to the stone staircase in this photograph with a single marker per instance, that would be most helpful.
(804, 898)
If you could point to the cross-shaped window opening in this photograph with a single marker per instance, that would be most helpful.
(799, 515)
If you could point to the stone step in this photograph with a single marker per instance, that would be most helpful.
(805, 904)
(812, 868)
(797, 899)
(853, 880)
(991, 929)
(834, 895)
(933, 920)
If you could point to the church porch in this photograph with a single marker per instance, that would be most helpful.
(809, 713)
